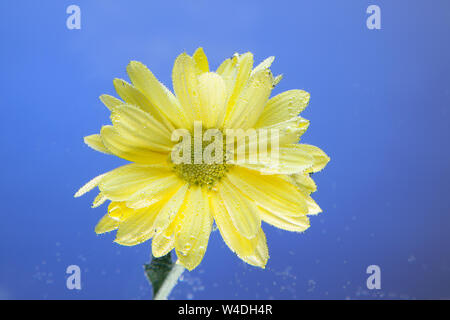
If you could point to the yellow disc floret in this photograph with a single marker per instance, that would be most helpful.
(202, 174)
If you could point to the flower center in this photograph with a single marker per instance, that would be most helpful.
(204, 163)
(201, 174)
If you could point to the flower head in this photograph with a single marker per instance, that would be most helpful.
(218, 150)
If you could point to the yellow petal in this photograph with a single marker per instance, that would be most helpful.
(290, 131)
(132, 96)
(306, 186)
(154, 191)
(261, 254)
(320, 159)
(119, 211)
(313, 207)
(277, 79)
(110, 102)
(121, 183)
(253, 251)
(201, 61)
(89, 186)
(191, 239)
(244, 64)
(141, 129)
(226, 66)
(135, 97)
(304, 182)
(170, 210)
(157, 94)
(106, 224)
(213, 98)
(263, 65)
(95, 142)
(228, 71)
(250, 103)
(297, 223)
(99, 200)
(163, 242)
(269, 191)
(286, 133)
(243, 212)
(235, 241)
(138, 227)
(185, 86)
(282, 107)
(291, 159)
(124, 148)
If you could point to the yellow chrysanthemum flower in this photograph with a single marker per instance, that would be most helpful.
(176, 204)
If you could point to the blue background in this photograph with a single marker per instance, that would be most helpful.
(379, 107)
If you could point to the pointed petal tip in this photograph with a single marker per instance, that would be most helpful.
(186, 264)
(184, 54)
(99, 200)
(277, 79)
(260, 263)
(183, 264)
(89, 186)
(134, 64)
(125, 243)
(119, 242)
(110, 102)
(104, 227)
(189, 268)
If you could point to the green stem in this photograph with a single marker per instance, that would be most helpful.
(170, 282)
(163, 274)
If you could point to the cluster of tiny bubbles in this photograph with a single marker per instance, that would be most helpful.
(189, 285)
(42, 271)
(379, 294)
(203, 174)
